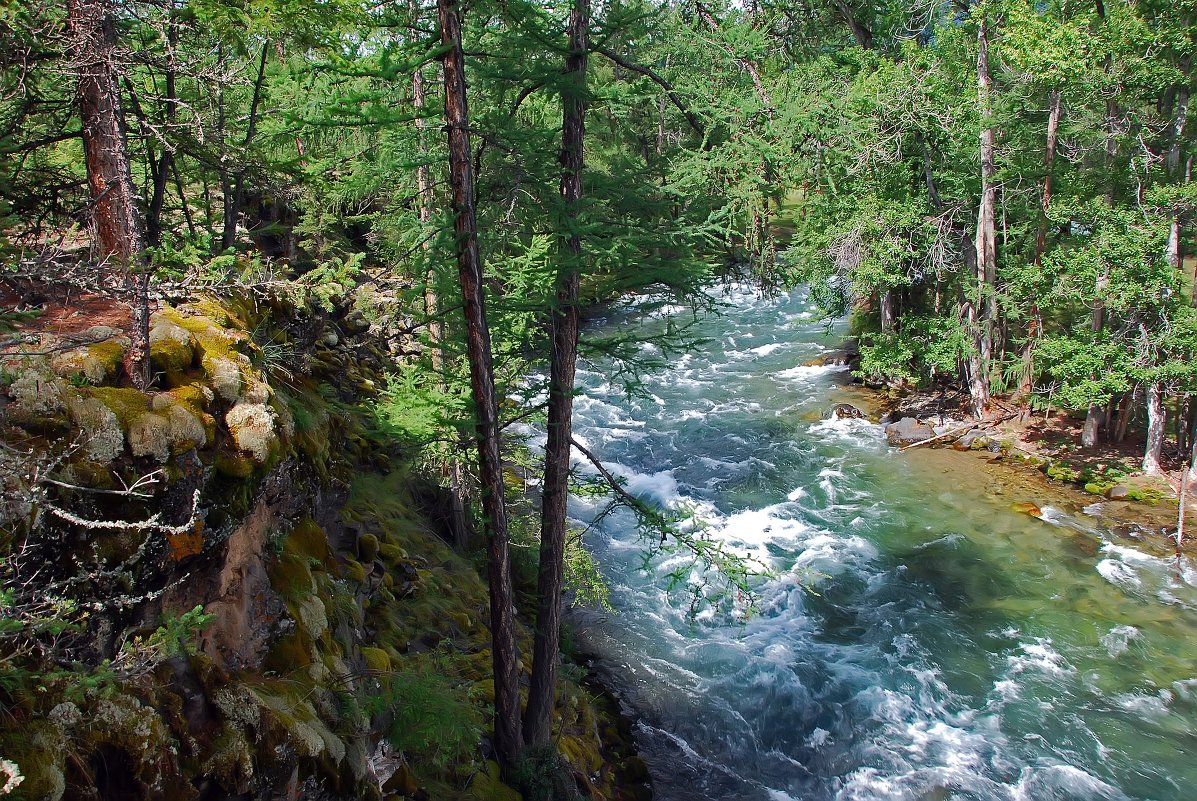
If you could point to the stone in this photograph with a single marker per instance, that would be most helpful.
(1119, 492)
(171, 349)
(103, 439)
(252, 427)
(845, 411)
(355, 323)
(224, 376)
(908, 431)
(969, 440)
(38, 391)
(1027, 508)
(149, 435)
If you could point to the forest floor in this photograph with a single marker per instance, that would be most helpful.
(1042, 454)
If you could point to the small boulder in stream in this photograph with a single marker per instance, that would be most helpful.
(844, 410)
(908, 431)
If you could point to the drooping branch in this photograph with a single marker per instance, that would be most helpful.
(670, 92)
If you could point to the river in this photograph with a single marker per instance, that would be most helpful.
(919, 638)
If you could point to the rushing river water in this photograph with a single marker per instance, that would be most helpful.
(920, 639)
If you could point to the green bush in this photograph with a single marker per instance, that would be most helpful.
(434, 718)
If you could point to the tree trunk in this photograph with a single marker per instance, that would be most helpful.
(508, 743)
(889, 311)
(1125, 408)
(553, 527)
(1093, 416)
(229, 238)
(1193, 440)
(458, 520)
(1035, 322)
(1156, 417)
(118, 222)
(986, 242)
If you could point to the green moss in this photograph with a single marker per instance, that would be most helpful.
(291, 576)
(1062, 471)
(487, 786)
(377, 660)
(392, 553)
(367, 547)
(1147, 494)
(354, 571)
(234, 465)
(170, 355)
(110, 354)
(126, 404)
(308, 539)
(289, 653)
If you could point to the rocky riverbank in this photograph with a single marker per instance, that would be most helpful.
(230, 584)
(1040, 453)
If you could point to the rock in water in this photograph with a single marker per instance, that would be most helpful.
(908, 431)
(845, 410)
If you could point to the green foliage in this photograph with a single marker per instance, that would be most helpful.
(435, 718)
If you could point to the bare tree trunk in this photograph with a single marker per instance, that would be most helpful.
(1094, 414)
(985, 308)
(1156, 416)
(1125, 408)
(553, 527)
(118, 222)
(508, 742)
(1193, 439)
(236, 187)
(889, 311)
(1035, 324)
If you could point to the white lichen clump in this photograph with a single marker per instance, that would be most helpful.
(103, 440)
(149, 435)
(252, 427)
(38, 391)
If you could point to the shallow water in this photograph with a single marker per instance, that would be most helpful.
(920, 639)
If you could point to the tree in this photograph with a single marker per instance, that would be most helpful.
(119, 224)
(505, 656)
(562, 363)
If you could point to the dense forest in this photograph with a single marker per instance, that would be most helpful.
(997, 192)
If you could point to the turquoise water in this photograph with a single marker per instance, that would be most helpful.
(920, 638)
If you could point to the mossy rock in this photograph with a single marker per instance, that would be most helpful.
(1062, 471)
(367, 547)
(377, 660)
(289, 653)
(291, 577)
(488, 785)
(48, 425)
(234, 465)
(1147, 495)
(355, 571)
(171, 351)
(110, 354)
(392, 553)
(126, 404)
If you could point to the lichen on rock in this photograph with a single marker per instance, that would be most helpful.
(101, 432)
(149, 435)
(252, 427)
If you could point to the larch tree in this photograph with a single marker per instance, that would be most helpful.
(563, 358)
(504, 652)
(119, 224)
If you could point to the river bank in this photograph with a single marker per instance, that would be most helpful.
(1035, 460)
